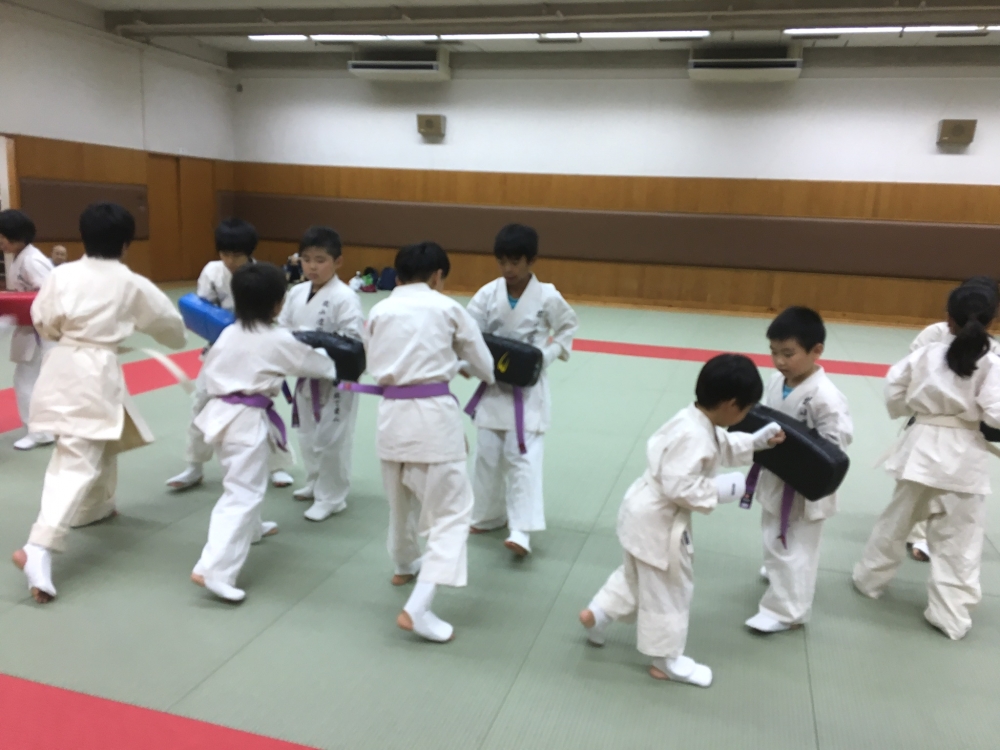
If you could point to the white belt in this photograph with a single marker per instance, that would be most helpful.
(936, 420)
(182, 379)
(682, 522)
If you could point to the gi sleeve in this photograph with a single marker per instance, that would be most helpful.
(563, 323)
(735, 448)
(292, 357)
(988, 396)
(470, 347)
(477, 307)
(46, 311)
(930, 335)
(350, 320)
(156, 315)
(897, 383)
(36, 270)
(682, 474)
(832, 418)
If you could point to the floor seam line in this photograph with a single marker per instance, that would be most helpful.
(812, 695)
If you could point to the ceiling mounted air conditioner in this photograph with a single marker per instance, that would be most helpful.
(745, 64)
(407, 65)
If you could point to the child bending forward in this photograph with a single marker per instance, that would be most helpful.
(655, 582)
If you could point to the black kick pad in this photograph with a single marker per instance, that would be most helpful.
(347, 353)
(992, 434)
(813, 465)
(514, 362)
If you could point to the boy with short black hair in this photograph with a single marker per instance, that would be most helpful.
(791, 525)
(655, 583)
(508, 466)
(235, 241)
(242, 375)
(417, 339)
(325, 416)
(26, 269)
(88, 308)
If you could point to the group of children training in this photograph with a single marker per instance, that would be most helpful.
(417, 340)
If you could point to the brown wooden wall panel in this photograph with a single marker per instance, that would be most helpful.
(197, 214)
(83, 162)
(870, 248)
(55, 205)
(138, 257)
(973, 204)
(165, 219)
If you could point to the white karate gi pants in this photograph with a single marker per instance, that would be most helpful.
(79, 488)
(326, 447)
(25, 375)
(236, 519)
(508, 485)
(658, 600)
(433, 501)
(955, 523)
(792, 572)
(919, 533)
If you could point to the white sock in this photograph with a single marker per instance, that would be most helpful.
(38, 569)
(421, 598)
(520, 538)
(224, 590)
(601, 621)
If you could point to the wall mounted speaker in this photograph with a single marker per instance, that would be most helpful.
(956, 132)
(431, 126)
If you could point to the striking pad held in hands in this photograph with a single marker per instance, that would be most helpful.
(204, 318)
(514, 362)
(814, 466)
(347, 353)
(18, 305)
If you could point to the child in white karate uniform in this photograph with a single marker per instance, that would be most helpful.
(916, 542)
(941, 463)
(88, 307)
(416, 341)
(243, 373)
(26, 269)
(508, 476)
(801, 389)
(655, 583)
(235, 241)
(325, 303)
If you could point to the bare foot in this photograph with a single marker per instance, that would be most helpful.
(656, 674)
(20, 559)
(516, 548)
(404, 621)
(401, 579)
(916, 553)
(198, 579)
(587, 619)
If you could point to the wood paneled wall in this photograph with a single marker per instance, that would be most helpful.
(973, 204)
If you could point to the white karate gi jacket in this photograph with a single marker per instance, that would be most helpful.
(215, 284)
(417, 336)
(25, 273)
(820, 404)
(940, 333)
(253, 362)
(947, 458)
(682, 457)
(541, 313)
(90, 306)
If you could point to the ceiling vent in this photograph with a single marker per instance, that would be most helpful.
(407, 65)
(746, 64)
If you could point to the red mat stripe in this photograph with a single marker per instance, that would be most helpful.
(149, 375)
(40, 717)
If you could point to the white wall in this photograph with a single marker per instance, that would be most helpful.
(832, 125)
(61, 80)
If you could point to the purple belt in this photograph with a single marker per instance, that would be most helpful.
(473, 404)
(399, 392)
(290, 397)
(260, 401)
(787, 498)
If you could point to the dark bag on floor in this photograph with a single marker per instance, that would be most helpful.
(811, 464)
(387, 279)
(514, 362)
(347, 353)
(204, 318)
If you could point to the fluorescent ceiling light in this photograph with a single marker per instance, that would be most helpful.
(692, 34)
(943, 29)
(347, 38)
(277, 37)
(486, 37)
(837, 31)
(412, 38)
(561, 36)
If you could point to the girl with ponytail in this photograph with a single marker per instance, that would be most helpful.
(948, 386)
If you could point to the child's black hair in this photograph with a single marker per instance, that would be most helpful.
(800, 323)
(989, 285)
(235, 236)
(106, 229)
(419, 262)
(258, 288)
(971, 308)
(16, 226)
(516, 241)
(324, 238)
(729, 376)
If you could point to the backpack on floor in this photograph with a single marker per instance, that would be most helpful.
(387, 279)
(370, 278)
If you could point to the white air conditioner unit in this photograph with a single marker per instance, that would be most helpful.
(753, 64)
(414, 66)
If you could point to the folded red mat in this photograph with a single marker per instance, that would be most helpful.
(17, 304)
